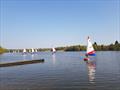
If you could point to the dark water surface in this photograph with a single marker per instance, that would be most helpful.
(62, 71)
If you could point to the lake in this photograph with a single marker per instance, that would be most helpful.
(62, 71)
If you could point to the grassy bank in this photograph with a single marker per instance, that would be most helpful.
(2, 50)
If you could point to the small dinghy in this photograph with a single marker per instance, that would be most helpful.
(90, 50)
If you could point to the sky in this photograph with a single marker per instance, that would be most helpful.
(54, 23)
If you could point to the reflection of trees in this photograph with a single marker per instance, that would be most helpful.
(91, 70)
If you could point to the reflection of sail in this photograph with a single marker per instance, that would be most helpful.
(24, 56)
(33, 57)
(91, 70)
(53, 58)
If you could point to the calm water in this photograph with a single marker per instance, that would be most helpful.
(62, 71)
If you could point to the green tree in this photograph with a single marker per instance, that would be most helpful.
(117, 46)
(111, 47)
(116, 42)
(95, 46)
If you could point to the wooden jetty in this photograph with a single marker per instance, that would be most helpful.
(22, 62)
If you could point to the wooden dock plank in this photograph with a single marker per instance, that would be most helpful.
(7, 64)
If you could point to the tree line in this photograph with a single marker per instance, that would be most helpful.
(112, 47)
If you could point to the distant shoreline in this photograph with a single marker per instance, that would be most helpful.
(111, 47)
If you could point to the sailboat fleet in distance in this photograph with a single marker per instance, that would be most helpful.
(34, 51)
(31, 51)
(89, 51)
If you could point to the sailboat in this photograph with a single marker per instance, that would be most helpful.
(24, 51)
(53, 50)
(90, 49)
(33, 51)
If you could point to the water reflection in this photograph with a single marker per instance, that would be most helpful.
(24, 56)
(54, 58)
(32, 56)
(91, 65)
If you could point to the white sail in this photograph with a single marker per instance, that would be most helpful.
(33, 50)
(53, 50)
(24, 50)
(90, 49)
